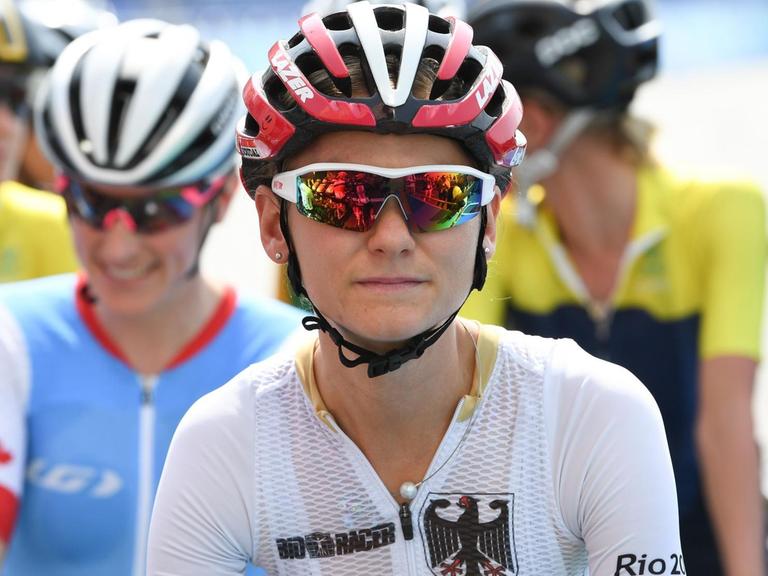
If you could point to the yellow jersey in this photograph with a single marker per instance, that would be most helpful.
(690, 287)
(34, 234)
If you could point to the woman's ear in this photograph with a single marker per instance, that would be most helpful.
(539, 123)
(268, 209)
(231, 186)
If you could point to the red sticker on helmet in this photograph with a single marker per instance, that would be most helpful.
(317, 35)
(458, 48)
(274, 129)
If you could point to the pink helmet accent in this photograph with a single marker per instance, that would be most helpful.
(317, 34)
(458, 48)
(286, 110)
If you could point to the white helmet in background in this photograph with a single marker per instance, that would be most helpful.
(444, 8)
(146, 103)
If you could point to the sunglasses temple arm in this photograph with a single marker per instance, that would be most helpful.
(198, 197)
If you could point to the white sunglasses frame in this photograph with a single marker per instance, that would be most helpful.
(284, 183)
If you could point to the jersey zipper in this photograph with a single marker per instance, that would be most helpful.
(601, 313)
(602, 318)
(405, 511)
(146, 454)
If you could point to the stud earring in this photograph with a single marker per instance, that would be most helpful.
(278, 255)
(487, 250)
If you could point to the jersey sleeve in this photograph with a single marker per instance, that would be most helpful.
(37, 238)
(57, 255)
(612, 472)
(734, 277)
(14, 392)
(201, 520)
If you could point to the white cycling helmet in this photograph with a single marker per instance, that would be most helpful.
(444, 8)
(146, 103)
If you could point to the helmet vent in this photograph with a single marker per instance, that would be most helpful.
(123, 92)
(164, 124)
(295, 40)
(277, 95)
(439, 25)
(53, 141)
(198, 146)
(393, 55)
(468, 72)
(313, 68)
(392, 19)
(309, 62)
(631, 15)
(74, 102)
(251, 127)
(338, 21)
(494, 107)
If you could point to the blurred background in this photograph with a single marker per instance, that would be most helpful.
(710, 103)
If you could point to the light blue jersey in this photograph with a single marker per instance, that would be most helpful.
(89, 434)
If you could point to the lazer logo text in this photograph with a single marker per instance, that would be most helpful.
(489, 82)
(291, 76)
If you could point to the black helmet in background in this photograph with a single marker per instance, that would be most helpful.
(584, 53)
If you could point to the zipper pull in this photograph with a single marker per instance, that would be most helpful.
(406, 522)
(148, 389)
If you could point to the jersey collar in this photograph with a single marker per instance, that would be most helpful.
(487, 347)
(209, 331)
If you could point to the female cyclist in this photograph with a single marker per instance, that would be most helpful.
(403, 440)
(97, 369)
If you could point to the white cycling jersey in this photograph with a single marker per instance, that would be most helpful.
(565, 468)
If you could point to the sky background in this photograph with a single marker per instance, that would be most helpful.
(697, 33)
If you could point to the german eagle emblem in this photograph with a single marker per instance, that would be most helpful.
(465, 545)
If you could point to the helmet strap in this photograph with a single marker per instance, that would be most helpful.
(544, 162)
(481, 259)
(378, 364)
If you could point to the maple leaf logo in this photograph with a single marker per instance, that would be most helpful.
(5, 455)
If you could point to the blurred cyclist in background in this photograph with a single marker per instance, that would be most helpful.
(660, 275)
(34, 237)
(98, 368)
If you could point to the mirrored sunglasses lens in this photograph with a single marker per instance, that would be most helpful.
(441, 200)
(340, 198)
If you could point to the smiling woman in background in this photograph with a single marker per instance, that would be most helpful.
(97, 369)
